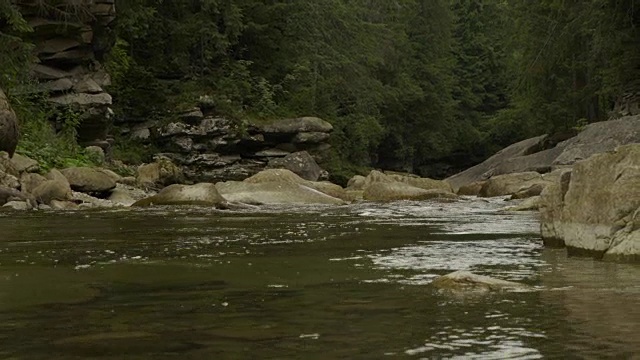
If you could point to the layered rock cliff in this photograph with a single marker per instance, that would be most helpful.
(71, 38)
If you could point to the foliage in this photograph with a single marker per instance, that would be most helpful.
(40, 140)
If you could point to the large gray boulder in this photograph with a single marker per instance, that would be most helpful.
(300, 163)
(202, 194)
(89, 180)
(382, 187)
(596, 210)
(9, 133)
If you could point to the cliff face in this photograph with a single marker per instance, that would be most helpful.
(71, 38)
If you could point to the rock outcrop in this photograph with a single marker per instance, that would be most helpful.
(213, 149)
(71, 38)
(595, 208)
(541, 154)
(9, 133)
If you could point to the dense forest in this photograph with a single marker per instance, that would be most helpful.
(428, 86)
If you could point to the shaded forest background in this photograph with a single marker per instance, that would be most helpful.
(426, 86)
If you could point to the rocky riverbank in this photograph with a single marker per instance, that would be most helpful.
(587, 187)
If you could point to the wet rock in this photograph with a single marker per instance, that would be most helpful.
(126, 195)
(300, 163)
(287, 176)
(89, 180)
(465, 281)
(202, 194)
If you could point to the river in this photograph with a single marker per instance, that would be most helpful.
(345, 282)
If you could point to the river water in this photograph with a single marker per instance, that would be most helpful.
(346, 282)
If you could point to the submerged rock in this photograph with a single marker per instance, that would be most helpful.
(465, 281)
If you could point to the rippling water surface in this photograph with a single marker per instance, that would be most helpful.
(303, 283)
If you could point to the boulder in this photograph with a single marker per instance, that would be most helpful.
(596, 209)
(6, 165)
(23, 163)
(30, 181)
(287, 176)
(121, 197)
(300, 163)
(472, 189)
(529, 204)
(486, 169)
(273, 192)
(18, 205)
(89, 180)
(63, 205)
(95, 153)
(52, 190)
(202, 194)
(9, 181)
(299, 125)
(356, 183)
(598, 138)
(9, 194)
(9, 133)
(160, 173)
(509, 184)
(422, 183)
(465, 281)
(383, 191)
(382, 187)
